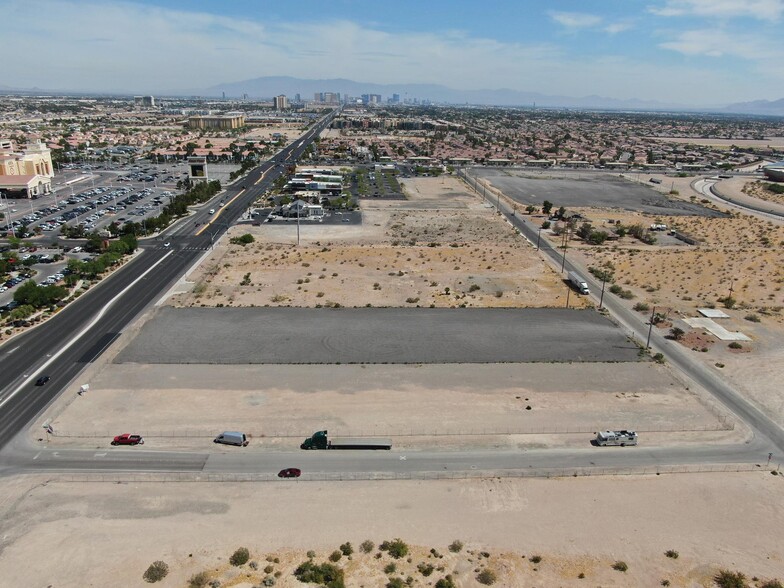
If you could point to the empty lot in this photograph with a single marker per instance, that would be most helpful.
(587, 190)
(376, 335)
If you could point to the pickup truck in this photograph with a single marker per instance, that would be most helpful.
(128, 439)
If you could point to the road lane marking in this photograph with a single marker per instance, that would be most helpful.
(36, 456)
(218, 213)
(81, 333)
(402, 458)
(100, 454)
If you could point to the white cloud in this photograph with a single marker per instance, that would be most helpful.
(757, 9)
(718, 43)
(575, 20)
(113, 45)
(618, 27)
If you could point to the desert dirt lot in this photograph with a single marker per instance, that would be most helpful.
(182, 405)
(758, 190)
(440, 248)
(92, 534)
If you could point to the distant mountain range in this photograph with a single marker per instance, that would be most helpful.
(773, 108)
(267, 87)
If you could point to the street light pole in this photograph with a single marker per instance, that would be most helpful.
(604, 281)
(650, 328)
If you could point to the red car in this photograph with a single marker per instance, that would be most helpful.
(128, 439)
(290, 473)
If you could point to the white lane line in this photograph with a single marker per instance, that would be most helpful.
(92, 323)
(36, 456)
(100, 455)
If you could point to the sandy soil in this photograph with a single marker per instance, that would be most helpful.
(441, 248)
(69, 532)
(757, 190)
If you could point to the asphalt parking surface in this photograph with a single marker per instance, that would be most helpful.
(376, 335)
(587, 190)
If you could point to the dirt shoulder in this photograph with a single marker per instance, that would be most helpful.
(576, 526)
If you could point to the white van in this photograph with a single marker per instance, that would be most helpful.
(231, 438)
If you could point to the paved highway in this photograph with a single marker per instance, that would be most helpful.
(62, 346)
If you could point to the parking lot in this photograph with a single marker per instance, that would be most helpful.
(586, 190)
(376, 335)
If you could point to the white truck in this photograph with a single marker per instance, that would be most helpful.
(579, 283)
(621, 438)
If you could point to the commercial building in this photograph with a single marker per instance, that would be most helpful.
(774, 171)
(26, 174)
(220, 122)
(281, 102)
(144, 101)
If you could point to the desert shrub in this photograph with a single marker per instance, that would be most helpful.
(395, 583)
(198, 580)
(269, 569)
(677, 333)
(390, 568)
(665, 583)
(396, 548)
(157, 571)
(752, 318)
(425, 569)
(412, 300)
(268, 581)
(446, 582)
(581, 576)
(641, 307)
(672, 554)
(346, 548)
(366, 546)
(473, 288)
(546, 224)
(727, 579)
(335, 556)
(659, 358)
(771, 584)
(326, 574)
(486, 577)
(728, 301)
(456, 546)
(535, 559)
(735, 345)
(240, 557)
(311, 554)
(620, 566)
(245, 239)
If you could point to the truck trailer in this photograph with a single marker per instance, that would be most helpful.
(320, 440)
(579, 283)
(621, 438)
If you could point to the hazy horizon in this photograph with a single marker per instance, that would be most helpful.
(690, 52)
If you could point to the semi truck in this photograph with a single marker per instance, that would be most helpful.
(320, 440)
(621, 438)
(579, 283)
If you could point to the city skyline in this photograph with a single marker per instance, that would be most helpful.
(692, 52)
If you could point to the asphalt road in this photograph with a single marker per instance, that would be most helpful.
(376, 335)
(249, 460)
(80, 332)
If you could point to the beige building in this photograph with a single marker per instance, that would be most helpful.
(281, 102)
(29, 173)
(221, 122)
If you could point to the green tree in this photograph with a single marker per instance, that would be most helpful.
(547, 206)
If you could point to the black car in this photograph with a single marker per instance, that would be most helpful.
(290, 473)
(42, 380)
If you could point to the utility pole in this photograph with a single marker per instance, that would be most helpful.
(604, 281)
(538, 237)
(650, 328)
(568, 294)
(565, 242)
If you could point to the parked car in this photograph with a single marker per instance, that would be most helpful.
(42, 380)
(290, 473)
(128, 439)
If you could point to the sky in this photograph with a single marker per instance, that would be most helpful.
(690, 52)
